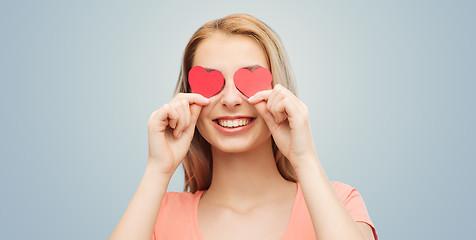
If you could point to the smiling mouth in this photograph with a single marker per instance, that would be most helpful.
(234, 123)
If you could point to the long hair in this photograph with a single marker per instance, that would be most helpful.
(198, 161)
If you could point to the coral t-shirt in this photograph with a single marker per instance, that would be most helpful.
(178, 218)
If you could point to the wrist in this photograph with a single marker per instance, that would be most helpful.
(307, 163)
(153, 170)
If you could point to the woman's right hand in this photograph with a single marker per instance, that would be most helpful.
(171, 129)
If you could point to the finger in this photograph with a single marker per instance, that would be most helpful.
(276, 97)
(181, 124)
(186, 108)
(194, 113)
(284, 103)
(158, 119)
(195, 98)
(260, 96)
(185, 118)
(267, 116)
(279, 111)
(173, 117)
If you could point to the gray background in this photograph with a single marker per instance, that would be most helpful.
(389, 84)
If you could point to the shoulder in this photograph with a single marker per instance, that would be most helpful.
(176, 207)
(341, 185)
(344, 191)
(179, 196)
(178, 201)
(352, 199)
(354, 203)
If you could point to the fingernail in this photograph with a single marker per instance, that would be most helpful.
(180, 134)
(249, 99)
(276, 120)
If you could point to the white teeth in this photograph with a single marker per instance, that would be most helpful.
(234, 123)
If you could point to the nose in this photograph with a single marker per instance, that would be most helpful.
(232, 97)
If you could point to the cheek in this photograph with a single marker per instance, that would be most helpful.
(264, 128)
(202, 129)
(201, 126)
(203, 123)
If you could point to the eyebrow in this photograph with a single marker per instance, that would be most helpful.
(210, 69)
(251, 68)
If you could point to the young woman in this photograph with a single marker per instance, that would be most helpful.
(251, 168)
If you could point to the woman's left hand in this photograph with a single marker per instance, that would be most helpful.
(287, 118)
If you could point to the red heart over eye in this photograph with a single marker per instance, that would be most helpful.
(205, 83)
(249, 83)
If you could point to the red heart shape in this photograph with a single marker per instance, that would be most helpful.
(249, 83)
(205, 83)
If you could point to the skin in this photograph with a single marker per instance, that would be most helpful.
(248, 198)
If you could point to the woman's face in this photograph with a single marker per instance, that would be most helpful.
(229, 123)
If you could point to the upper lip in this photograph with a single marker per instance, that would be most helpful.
(233, 117)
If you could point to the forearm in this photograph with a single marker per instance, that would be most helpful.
(140, 216)
(330, 218)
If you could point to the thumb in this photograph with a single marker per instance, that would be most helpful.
(194, 112)
(266, 115)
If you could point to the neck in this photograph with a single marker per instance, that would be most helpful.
(246, 176)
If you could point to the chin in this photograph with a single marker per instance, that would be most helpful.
(232, 149)
(239, 145)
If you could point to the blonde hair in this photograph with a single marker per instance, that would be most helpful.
(198, 164)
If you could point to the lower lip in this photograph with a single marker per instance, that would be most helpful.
(233, 130)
